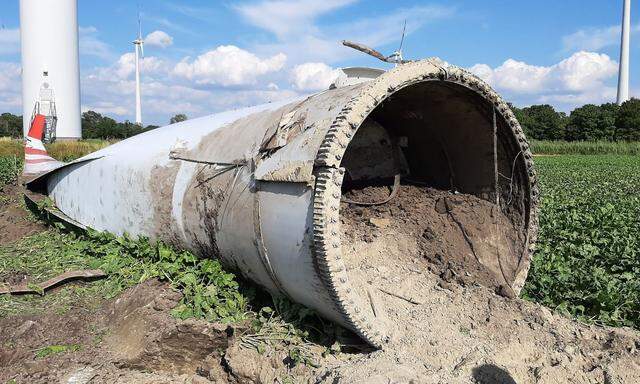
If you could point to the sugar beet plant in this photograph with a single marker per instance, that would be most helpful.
(587, 261)
(208, 291)
(10, 168)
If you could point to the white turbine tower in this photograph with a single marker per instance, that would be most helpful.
(50, 66)
(623, 75)
(139, 48)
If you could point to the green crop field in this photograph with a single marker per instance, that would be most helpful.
(587, 261)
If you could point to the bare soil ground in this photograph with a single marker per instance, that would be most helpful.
(130, 339)
(15, 221)
(472, 335)
(445, 328)
(133, 339)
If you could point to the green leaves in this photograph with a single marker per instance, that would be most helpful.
(56, 349)
(209, 292)
(587, 259)
(10, 168)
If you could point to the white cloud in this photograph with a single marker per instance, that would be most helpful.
(594, 39)
(584, 71)
(9, 76)
(199, 90)
(9, 40)
(313, 76)
(578, 79)
(158, 39)
(88, 30)
(232, 99)
(90, 44)
(228, 65)
(302, 40)
(514, 76)
(125, 67)
(483, 71)
(581, 71)
(10, 88)
(162, 99)
(283, 17)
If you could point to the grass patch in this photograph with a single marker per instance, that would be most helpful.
(209, 292)
(56, 349)
(587, 261)
(11, 147)
(585, 147)
(59, 150)
(71, 150)
(10, 169)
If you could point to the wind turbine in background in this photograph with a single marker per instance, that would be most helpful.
(623, 74)
(394, 58)
(139, 47)
(397, 55)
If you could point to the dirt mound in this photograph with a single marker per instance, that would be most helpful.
(459, 237)
(143, 336)
(131, 339)
(470, 334)
(135, 339)
(246, 365)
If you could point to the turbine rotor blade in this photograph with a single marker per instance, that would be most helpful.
(139, 24)
(404, 29)
(363, 48)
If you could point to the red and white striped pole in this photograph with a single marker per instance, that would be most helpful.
(36, 158)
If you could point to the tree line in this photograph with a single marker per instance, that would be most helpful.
(97, 126)
(606, 122)
(94, 126)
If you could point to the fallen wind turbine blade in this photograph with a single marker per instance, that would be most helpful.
(363, 48)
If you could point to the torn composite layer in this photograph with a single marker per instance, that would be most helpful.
(260, 187)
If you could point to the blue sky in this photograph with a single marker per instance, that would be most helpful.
(205, 56)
